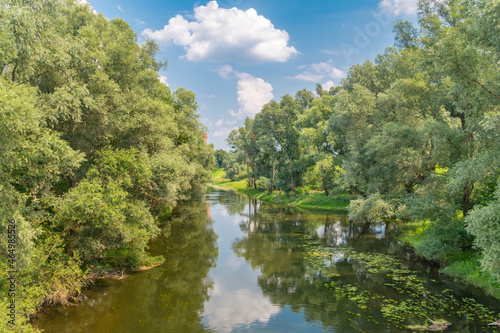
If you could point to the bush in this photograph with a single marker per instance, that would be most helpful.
(263, 183)
(371, 209)
(444, 239)
(233, 170)
(484, 223)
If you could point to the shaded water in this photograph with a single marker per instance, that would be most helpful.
(235, 265)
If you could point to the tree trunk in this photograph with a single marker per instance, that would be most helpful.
(291, 176)
(253, 175)
(323, 180)
(466, 198)
(273, 172)
(324, 185)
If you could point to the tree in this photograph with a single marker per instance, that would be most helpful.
(220, 156)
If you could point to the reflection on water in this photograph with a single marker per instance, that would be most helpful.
(235, 265)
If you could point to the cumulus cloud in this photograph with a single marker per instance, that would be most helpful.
(320, 71)
(84, 3)
(163, 79)
(244, 308)
(119, 8)
(253, 92)
(308, 76)
(397, 7)
(221, 122)
(223, 132)
(327, 85)
(219, 34)
(225, 71)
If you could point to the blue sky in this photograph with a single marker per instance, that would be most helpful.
(237, 55)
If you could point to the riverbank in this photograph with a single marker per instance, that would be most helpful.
(304, 198)
(464, 267)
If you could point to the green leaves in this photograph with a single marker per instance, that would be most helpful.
(484, 223)
(91, 144)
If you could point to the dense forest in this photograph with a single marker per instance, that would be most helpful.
(93, 150)
(411, 135)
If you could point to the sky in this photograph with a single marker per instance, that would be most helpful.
(237, 55)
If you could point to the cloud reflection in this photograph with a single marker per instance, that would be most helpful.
(229, 308)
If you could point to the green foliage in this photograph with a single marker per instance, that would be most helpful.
(220, 157)
(417, 126)
(91, 146)
(467, 267)
(100, 219)
(484, 224)
(444, 239)
(371, 209)
(232, 165)
(263, 183)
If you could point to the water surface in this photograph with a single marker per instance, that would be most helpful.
(235, 265)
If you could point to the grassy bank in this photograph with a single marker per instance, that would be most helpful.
(464, 267)
(304, 198)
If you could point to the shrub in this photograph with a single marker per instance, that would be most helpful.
(371, 209)
(263, 183)
(484, 223)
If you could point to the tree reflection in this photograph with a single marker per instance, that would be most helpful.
(168, 298)
(234, 203)
(273, 241)
(190, 252)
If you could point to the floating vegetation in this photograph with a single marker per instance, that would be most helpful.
(436, 326)
(403, 298)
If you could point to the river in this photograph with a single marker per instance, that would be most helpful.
(236, 265)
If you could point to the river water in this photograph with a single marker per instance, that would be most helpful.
(236, 265)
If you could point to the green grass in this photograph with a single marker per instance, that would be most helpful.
(464, 267)
(306, 199)
(220, 180)
(467, 268)
(413, 234)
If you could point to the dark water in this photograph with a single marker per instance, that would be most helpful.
(235, 265)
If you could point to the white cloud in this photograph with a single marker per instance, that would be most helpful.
(308, 76)
(219, 34)
(224, 71)
(397, 7)
(163, 79)
(84, 3)
(244, 308)
(119, 8)
(253, 93)
(223, 132)
(327, 85)
(221, 122)
(319, 71)
(140, 22)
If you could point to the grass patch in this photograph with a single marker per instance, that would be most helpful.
(304, 199)
(220, 180)
(414, 232)
(467, 268)
(464, 267)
